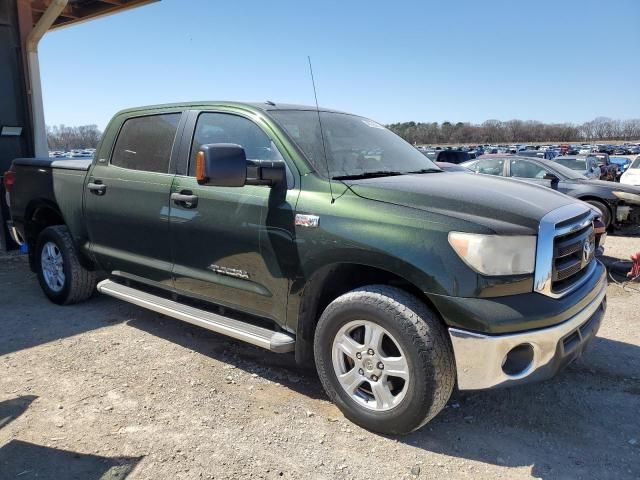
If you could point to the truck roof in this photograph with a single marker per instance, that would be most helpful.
(264, 106)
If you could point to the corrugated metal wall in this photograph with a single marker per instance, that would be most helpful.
(13, 99)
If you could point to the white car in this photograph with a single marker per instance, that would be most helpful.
(632, 175)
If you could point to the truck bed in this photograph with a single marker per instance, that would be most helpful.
(51, 182)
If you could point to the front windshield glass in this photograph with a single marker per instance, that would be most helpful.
(636, 163)
(579, 164)
(354, 145)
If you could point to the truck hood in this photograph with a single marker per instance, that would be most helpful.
(500, 204)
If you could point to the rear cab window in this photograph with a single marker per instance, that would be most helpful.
(145, 143)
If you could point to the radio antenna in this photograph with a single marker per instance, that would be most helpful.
(324, 147)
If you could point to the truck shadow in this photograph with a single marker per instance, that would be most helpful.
(28, 318)
(13, 408)
(582, 424)
(578, 424)
(26, 460)
(276, 367)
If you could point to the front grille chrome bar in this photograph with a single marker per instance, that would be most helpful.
(555, 224)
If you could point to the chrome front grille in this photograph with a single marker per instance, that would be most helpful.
(566, 248)
(570, 259)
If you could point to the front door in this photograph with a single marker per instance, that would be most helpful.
(127, 200)
(221, 240)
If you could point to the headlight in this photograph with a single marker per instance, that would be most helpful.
(495, 254)
(628, 197)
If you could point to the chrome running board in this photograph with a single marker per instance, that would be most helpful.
(262, 337)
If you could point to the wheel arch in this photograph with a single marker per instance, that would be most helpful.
(594, 198)
(40, 214)
(329, 282)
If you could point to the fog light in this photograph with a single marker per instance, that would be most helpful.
(518, 359)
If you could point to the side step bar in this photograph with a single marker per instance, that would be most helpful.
(262, 337)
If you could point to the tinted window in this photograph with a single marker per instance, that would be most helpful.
(490, 166)
(226, 128)
(145, 143)
(524, 169)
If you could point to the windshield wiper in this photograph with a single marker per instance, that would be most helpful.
(427, 170)
(379, 173)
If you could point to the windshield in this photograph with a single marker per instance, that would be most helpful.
(354, 145)
(618, 160)
(636, 163)
(579, 164)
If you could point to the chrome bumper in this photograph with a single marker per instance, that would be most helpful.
(15, 236)
(480, 359)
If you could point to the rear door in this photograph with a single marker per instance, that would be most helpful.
(127, 199)
(234, 246)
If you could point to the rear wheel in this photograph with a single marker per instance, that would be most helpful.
(384, 358)
(61, 275)
(604, 210)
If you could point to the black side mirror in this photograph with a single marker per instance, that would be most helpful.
(266, 172)
(553, 179)
(221, 165)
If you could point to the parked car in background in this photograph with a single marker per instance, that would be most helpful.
(622, 163)
(618, 205)
(608, 170)
(452, 167)
(632, 175)
(531, 153)
(448, 156)
(586, 166)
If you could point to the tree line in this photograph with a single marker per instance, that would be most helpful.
(517, 131)
(63, 137)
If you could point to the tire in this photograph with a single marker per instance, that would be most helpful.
(606, 213)
(410, 330)
(56, 253)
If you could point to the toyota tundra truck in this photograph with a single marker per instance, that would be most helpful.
(324, 234)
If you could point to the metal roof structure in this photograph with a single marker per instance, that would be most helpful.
(81, 10)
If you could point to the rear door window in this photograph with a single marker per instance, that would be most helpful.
(145, 143)
(490, 166)
(525, 169)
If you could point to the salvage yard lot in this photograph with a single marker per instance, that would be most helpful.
(106, 388)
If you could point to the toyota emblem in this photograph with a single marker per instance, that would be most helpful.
(587, 251)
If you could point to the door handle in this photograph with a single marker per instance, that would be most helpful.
(97, 187)
(185, 200)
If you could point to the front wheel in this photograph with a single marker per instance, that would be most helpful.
(384, 358)
(61, 275)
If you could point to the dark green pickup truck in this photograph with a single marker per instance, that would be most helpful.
(324, 234)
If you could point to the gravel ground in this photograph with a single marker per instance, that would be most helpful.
(108, 390)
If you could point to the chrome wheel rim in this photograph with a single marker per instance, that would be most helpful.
(370, 365)
(52, 265)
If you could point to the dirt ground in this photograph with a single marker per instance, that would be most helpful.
(108, 390)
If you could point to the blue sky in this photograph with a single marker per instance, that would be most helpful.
(455, 60)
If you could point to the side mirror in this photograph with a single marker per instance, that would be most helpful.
(221, 165)
(553, 179)
(266, 172)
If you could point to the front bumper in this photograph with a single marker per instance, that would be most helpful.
(482, 361)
